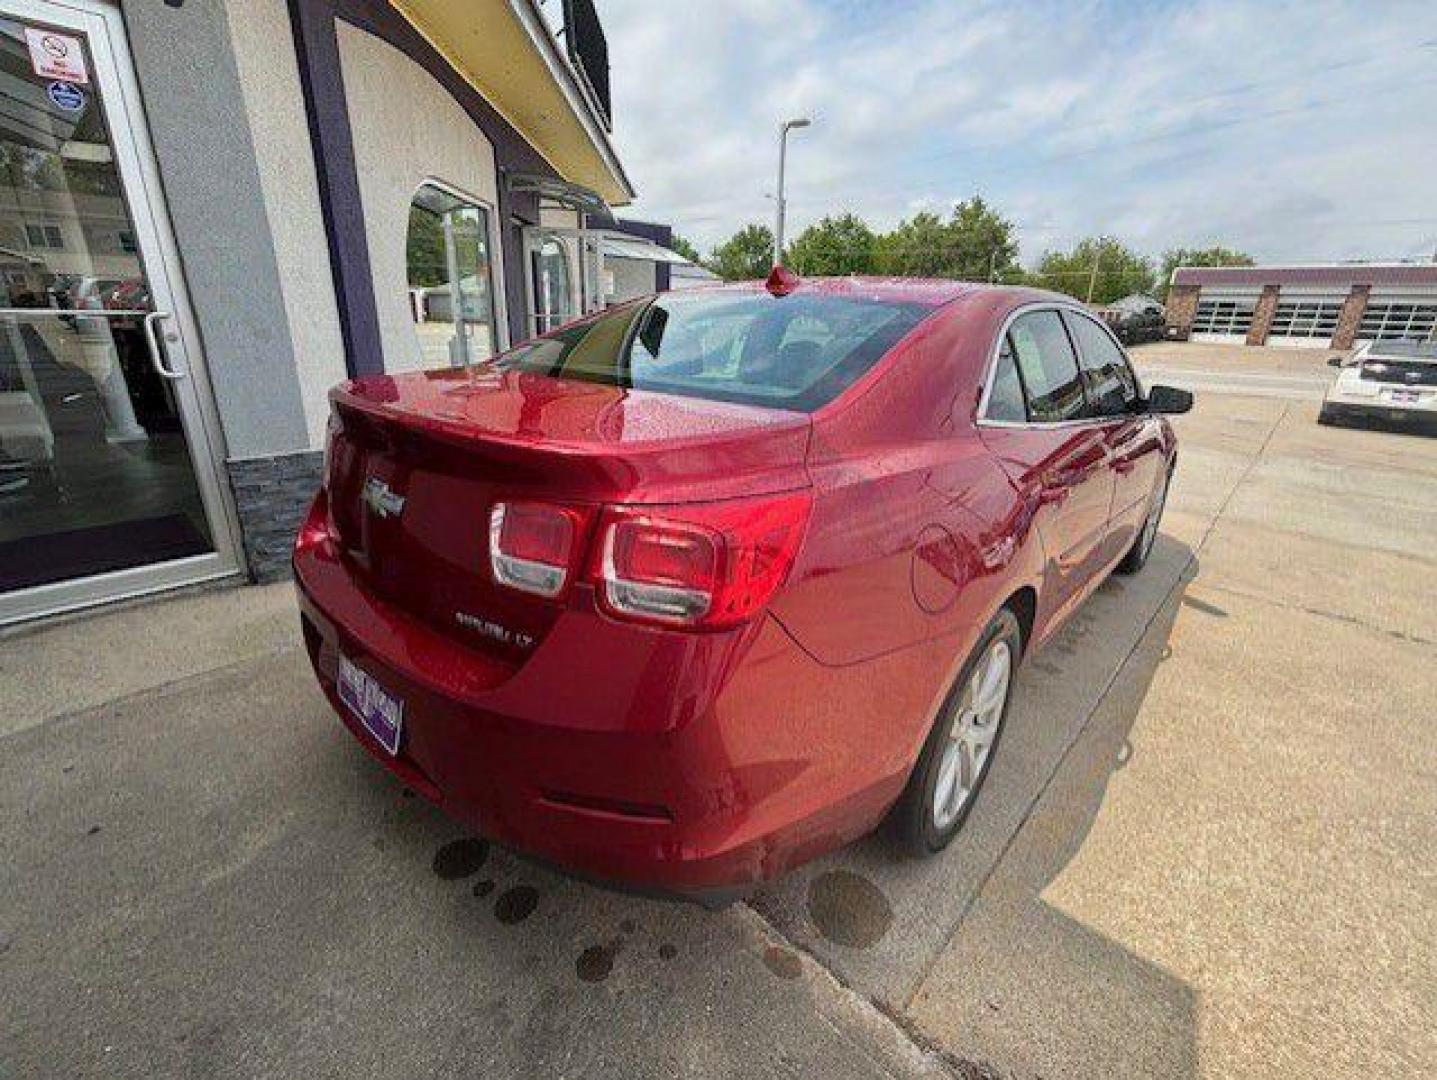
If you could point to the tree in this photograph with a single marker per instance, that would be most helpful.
(744, 256)
(1213, 256)
(976, 243)
(682, 246)
(1099, 269)
(833, 246)
(983, 241)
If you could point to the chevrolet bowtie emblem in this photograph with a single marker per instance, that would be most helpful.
(381, 501)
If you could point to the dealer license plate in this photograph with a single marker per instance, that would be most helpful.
(381, 713)
(1405, 397)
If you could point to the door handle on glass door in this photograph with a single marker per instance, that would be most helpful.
(157, 356)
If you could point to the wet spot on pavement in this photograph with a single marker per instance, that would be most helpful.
(92, 830)
(1047, 668)
(628, 926)
(516, 904)
(782, 962)
(848, 909)
(460, 858)
(595, 963)
(483, 887)
(668, 950)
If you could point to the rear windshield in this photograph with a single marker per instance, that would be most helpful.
(792, 352)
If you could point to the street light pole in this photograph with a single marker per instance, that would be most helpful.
(783, 130)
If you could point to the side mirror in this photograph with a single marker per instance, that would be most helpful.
(1169, 400)
(1334, 361)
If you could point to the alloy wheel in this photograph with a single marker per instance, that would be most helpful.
(971, 734)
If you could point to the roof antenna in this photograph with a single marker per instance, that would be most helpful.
(781, 281)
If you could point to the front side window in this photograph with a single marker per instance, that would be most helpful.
(1112, 388)
(451, 288)
(795, 352)
(1047, 366)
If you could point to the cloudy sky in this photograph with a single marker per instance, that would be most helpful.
(1303, 131)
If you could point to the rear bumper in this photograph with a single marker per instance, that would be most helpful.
(1358, 396)
(662, 762)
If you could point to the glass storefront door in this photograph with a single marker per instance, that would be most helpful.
(108, 482)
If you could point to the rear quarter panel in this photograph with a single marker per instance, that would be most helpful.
(917, 535)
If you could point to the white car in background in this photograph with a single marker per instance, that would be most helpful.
(1389, 380)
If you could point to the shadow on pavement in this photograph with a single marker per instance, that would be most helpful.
(1025, 988)
(973, 956)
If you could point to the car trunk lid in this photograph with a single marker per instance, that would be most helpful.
(419, 460)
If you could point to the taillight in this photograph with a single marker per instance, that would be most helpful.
(705, 565)
(531, 546)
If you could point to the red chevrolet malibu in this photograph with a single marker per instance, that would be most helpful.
(689, 592)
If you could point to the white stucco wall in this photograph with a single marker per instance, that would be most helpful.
(274, 102)
(407, 129)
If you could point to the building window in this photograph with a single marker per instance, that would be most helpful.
(44, 236)
(1305, 318)
(1223, 316)
(1397, 321)
(451, 285)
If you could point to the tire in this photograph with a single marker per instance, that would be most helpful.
(1137, 556)
(922, 830)
(1329, 415)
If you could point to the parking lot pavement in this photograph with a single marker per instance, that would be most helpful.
(207, 878)
(1206, 847)
(1233, 871)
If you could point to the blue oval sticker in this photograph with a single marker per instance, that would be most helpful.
(67, 96)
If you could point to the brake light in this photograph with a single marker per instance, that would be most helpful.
(704, 565)
(531, 546)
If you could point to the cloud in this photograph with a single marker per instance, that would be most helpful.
(1297, 131)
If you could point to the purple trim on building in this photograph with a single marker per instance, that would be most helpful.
(319, 67)
(1340, 276)
(317, 50)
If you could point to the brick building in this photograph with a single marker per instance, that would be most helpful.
(1336, 306)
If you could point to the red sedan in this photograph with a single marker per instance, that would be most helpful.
(689, 592)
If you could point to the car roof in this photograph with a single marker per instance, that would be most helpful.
(931, 292)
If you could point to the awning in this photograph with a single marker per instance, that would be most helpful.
(504, 49)
(627, 247)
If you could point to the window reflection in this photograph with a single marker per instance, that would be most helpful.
(450, 278)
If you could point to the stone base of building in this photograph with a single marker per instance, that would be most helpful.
(272, 495)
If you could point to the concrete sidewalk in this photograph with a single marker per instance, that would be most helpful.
(1206, 849)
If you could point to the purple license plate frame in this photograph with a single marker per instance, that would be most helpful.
(381, 713)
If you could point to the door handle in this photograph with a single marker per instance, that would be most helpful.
(1123, 465)
(157, 355)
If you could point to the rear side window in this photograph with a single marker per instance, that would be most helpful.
(793, 352)
(1047, 366)
(1005, 396)
(1112, 388)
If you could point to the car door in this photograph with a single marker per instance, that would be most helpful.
(1133, 439)
(1034, 419)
